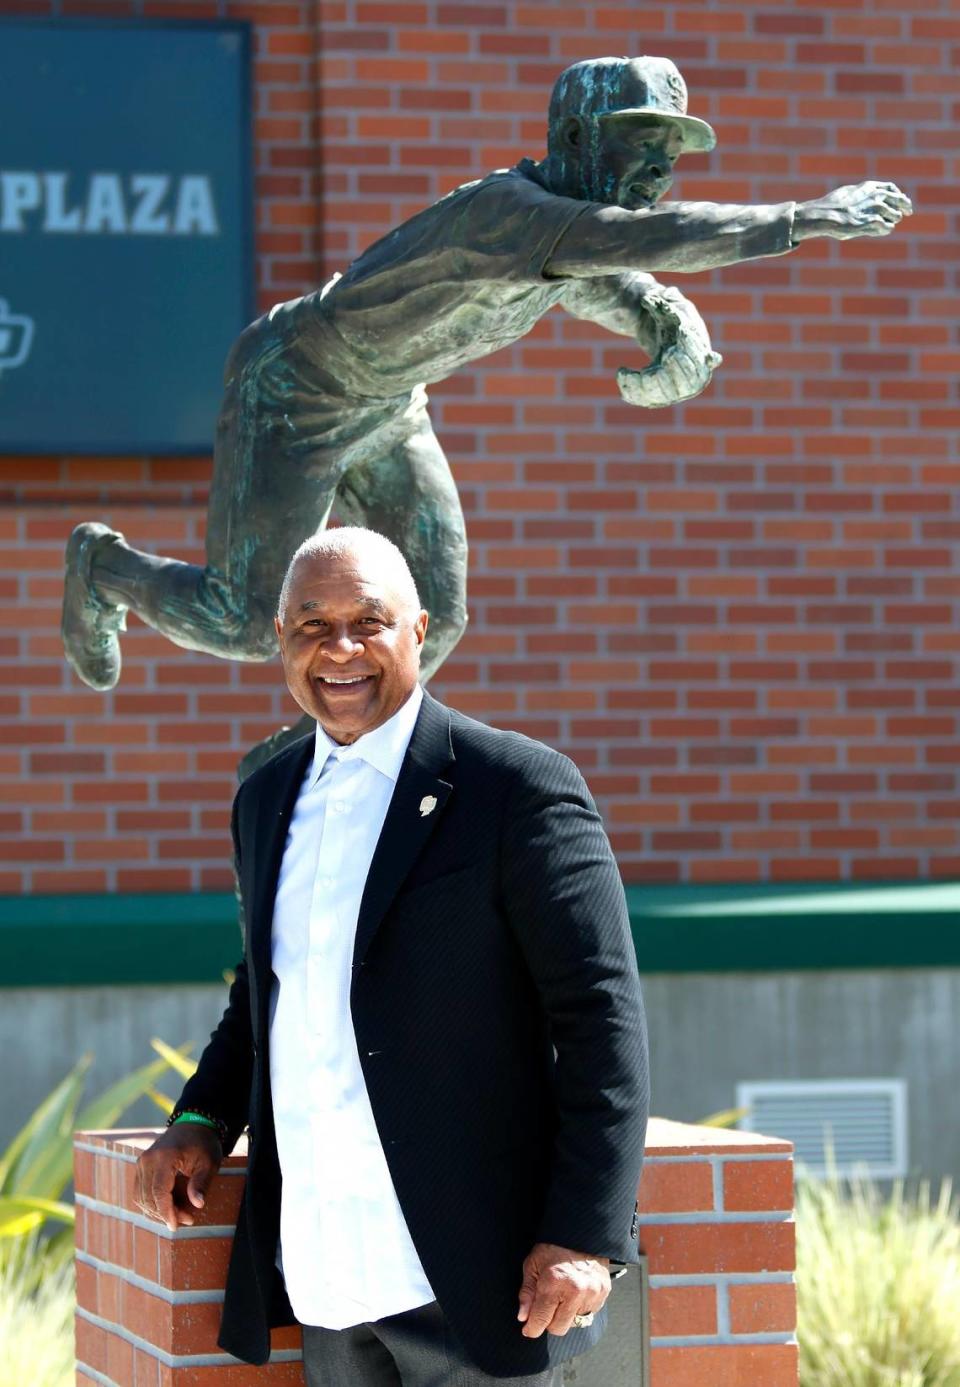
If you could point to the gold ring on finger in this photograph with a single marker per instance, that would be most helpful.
(581, 1321)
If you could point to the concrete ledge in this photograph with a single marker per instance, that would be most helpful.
(716, 1227)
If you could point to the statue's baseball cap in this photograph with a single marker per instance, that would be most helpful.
(629, 87)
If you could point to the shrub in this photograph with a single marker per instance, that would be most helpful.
(878, 1285)
(36, 1318)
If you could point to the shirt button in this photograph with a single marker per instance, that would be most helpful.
(326, 883)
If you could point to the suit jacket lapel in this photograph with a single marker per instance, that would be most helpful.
(274, 810)
(407, 828)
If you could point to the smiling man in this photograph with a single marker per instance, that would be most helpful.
(325, 401)
(436, 1032)
(350, 641)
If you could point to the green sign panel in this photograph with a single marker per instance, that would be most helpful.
(125, 231)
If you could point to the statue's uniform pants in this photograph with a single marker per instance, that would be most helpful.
(414, 1349)
(291, 445)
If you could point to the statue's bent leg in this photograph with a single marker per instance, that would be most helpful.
(273, 485)
(405, 490)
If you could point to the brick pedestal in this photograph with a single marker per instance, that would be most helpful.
(716, 1227)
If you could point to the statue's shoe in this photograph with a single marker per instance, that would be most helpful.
(90, 625)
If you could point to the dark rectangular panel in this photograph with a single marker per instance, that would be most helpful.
(125, 231)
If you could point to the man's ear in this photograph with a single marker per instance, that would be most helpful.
(571, 133)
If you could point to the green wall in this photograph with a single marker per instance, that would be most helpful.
(157, 938)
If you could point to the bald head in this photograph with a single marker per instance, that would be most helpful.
(363, 551)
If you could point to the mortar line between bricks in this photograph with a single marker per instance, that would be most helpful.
(710, 1219)
(716, 1171)
(132, 1278)
(132, 1160)
(723, 1309)
(729, 1278)
(732, 1156)
(182, 1360)
(727, 1340)
(95, 1376)
(209, 1230)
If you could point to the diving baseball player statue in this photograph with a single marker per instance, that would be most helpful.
(325, 403)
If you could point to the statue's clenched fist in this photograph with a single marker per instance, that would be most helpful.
(859, 209)
(174, 1173)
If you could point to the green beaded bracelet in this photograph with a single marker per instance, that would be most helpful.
(195, 1117)
(218, 1127)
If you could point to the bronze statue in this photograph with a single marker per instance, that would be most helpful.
(325, 402)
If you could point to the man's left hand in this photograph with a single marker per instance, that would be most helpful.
(558, 1284)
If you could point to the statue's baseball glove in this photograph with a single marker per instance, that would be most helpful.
(683, 361)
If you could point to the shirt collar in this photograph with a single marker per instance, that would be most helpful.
(384, 748)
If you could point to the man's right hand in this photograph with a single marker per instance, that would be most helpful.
(174, 1173)
(859, 209)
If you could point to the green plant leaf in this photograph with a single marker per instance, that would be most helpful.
(176, 1058)
(727, 1117)
(51, 1125)
(18, 1225)
(164, 1103)
(50, 1171)
(18, 1214)
(105, 1110)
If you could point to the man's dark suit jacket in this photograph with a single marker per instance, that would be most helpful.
(499, 1022)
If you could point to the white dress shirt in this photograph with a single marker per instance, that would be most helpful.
(345, 1250)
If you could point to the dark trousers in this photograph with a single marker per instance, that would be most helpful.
(413, 1349)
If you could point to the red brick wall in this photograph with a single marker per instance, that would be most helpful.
(739, 616)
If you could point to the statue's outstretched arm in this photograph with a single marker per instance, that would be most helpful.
(690, 236)
(678, 236)
(664, 323)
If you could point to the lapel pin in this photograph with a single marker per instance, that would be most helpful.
(427, 805)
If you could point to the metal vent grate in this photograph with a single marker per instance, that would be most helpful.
(862, 1121)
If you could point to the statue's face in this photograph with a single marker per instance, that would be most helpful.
(638, 158)
(625, 160)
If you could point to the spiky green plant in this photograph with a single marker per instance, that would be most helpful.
(878, 1285)
(36, 1272)
(36, 1167)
